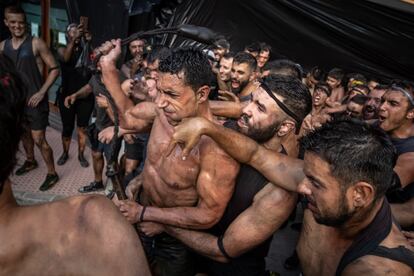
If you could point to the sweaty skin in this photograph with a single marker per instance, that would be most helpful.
(319, 256)
(190, 193)
(83, 235)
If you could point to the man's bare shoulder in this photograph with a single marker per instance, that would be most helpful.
(375, 266)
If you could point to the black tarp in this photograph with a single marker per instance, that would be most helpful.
(373, 37)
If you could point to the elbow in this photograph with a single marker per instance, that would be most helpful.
(207, 221)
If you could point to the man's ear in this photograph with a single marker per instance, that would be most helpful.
(363, 194)
(410, 114)
(202, 94)
(286, 127)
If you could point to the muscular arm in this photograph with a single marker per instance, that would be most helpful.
(404, 213)
(404, 168)
(284, 171)
(49, 60)
(249, 229)
(215, 184)
(138, 117)
(226, 109)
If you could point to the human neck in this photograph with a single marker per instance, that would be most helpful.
(404, 131)
(316, 109)
(204, 111)
(360, 221)
(7, 199)
(274, 143)
(247, 90)
(16, 39)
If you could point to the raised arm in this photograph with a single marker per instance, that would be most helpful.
(252, 227)
(128, 112)
(281, 170)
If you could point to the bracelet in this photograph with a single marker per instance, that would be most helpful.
(222, 250)
(141, 217)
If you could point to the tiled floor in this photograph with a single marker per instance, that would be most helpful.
(72, 175)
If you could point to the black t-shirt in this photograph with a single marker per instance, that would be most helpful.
(73, 78)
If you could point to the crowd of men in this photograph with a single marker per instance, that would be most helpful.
(220, 149)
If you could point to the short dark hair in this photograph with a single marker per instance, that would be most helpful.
(381, 87)
(243, 57)
(253, 47)
(296, 95)
(15, 9)
(265, 47)
(13, 95)
(284, 67)
(222, 43)
(336, 73)
(317, 73)
(193, 63)
(355, 152)
(324, 87)
(228, 55)
(158, 53)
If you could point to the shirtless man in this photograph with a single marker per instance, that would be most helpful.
(191, 193)
(30, 55)
(334, 80)
(244, 244)
(344, 182)
(317, 117)
(92, 239)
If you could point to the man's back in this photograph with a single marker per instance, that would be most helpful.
(83, 235)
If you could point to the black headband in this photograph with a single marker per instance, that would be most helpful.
(282, 106)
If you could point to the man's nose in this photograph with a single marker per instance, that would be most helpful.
(304, 188)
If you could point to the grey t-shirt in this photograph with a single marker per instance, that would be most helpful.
(102, 119)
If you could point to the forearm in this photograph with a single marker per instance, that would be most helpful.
(279, 169)
(85, 91)
(184, 217)
(112, 83)
(201, 242)
(226, 109)
(67, 52)
(49, 80)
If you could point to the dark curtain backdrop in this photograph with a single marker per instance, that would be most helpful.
(373, 37)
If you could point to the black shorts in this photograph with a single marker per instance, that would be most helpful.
(81, 110)
(37, 118)
(106, 149)
(135, 151)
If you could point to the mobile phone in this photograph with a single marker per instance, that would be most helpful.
(84, 21)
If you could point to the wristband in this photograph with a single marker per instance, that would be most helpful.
(141, 217)
(221, 247)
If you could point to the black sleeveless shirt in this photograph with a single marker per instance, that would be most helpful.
(25, 62)
(403, 194)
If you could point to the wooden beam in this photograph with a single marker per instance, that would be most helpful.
(45, 31)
